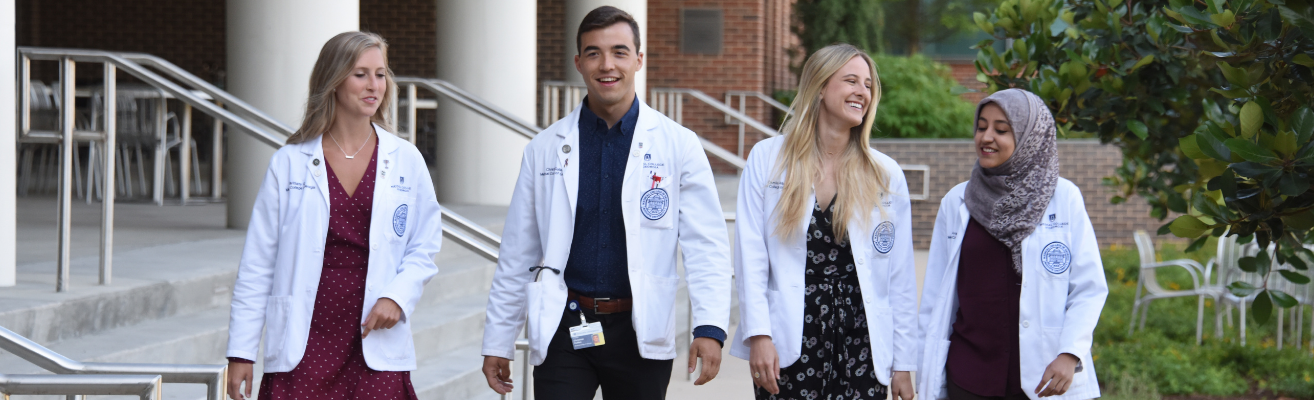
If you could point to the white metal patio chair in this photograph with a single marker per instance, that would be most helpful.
(1149, 285)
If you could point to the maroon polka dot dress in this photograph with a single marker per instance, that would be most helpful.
(334, 364)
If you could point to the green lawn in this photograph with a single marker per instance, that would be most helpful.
(1164, 360)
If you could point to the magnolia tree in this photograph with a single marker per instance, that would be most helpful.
(1209, 101)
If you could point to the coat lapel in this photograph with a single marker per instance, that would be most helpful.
(318, 166)
(569, 150)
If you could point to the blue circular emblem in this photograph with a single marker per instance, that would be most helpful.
(654, 203)
(1056, 257)
(399, 220)
(573, 305)
(883, 237)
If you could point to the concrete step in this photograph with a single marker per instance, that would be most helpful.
(452, 375)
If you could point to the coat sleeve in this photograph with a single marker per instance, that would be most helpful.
(752, 265)
(255, 273)
(704, 240)
(1087, 288)
(417, 267)
(903, 276)
(521, 250)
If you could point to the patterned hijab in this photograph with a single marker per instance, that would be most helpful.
(1009, 200)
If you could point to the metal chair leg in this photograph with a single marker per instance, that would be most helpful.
(1199, 322)
(1145, 310)
(77, 170)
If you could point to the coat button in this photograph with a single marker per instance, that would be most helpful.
(1026, 324)
(859, 261)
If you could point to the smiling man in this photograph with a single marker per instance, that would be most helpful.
(589, 250)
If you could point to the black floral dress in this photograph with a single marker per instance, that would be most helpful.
(836, 359)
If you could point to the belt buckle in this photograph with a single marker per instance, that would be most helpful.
(599, 300)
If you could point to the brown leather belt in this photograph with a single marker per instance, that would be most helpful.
(602, 305)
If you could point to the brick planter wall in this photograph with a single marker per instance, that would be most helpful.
(1084, 162)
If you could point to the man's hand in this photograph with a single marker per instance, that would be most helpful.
(237, 374)
(710, 352)
(384, 315)
(901, 386)
(1058, 375)
(764, 363)
(498, 372)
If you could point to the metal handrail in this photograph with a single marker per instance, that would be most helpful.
(758, 95)
(719, 106)
(145, 387)
(213, 376)
(264, 128)
(464, 98)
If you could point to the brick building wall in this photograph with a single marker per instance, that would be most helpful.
(1084, 162)
(739, 66)
(411, 29)
(964, 71)
(190, 34)
(551, 48)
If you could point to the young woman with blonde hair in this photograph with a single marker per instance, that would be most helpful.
(340, 245)
(824, 258)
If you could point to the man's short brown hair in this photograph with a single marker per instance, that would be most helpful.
(602, 18)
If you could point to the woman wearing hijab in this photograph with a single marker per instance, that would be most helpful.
(341, 242)
(824, 257)
(1014, 283)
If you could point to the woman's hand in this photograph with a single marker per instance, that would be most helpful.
(764, 363)
(901, 386)
(239, 372)
(1058, 375)
(384, 315)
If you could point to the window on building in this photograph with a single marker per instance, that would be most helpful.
(701, 31)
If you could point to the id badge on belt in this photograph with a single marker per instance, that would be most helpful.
(587, 334)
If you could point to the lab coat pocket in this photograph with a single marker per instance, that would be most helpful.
(658, 325)
(276, 315)
(655, 208)
(397, 341)
(534, 309)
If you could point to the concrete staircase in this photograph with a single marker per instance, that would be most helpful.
(169, 304)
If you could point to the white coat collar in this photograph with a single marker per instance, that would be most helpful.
(318, 165)
(568, 149)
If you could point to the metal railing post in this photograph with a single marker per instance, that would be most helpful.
(185, 155)
(742, 110)
(216, 165)
(67, 141)
(161, 137)
(107, 199)
(413, 127)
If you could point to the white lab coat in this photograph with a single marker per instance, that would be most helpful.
(769, 273)
(284, 253)
(540, 226)
(1063, 291)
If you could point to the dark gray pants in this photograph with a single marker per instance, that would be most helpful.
(569, 374)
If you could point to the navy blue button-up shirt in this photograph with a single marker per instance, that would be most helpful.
(597, 266)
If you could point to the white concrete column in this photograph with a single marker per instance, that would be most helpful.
(272, 46)
(8, 148)
(575, 12)
(486, 48)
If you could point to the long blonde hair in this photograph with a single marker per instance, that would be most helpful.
(860, 182)
(336, 60)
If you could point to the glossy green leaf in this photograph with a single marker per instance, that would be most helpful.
(1301, 221)
(1138, 128)
(1282, 299)
(1252, 118)
(1226, 18)
(1262, 308)
(1294, 277)
(1303, 59)
(1190, 147)
(1250, 151)
(1187, 226)
(1285, 144)
(1302, 122)
(1212, 145)
(1249, 264)
(1292, 185)
(1241, 289)
(1235, 76)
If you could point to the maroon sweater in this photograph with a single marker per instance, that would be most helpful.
(983, 348)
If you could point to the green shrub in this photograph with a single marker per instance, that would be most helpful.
(1164, 359)
(919, 99)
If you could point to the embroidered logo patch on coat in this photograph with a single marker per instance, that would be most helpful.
(883, 237)
(1056, 257)
(654, 203)
(399, 220)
